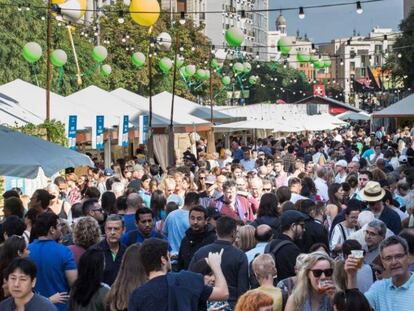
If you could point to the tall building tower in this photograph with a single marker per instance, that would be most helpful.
(281, 25)
(192, 6)
(408, 6)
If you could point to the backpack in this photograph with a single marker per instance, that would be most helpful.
(252, 278)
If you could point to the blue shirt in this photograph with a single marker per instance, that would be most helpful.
(52, 260)
(237, 154)
(129, 221)
(385, 296)
(139, 237)
(259, 249)
(175, 226)
(146, 197)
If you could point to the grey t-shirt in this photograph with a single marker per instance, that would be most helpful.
(35, 304)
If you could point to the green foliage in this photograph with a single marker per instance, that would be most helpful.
(404, 66)
(275, 79)
(52, 130)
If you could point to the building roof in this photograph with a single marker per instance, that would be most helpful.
(329, 100)
(161, 107)
(402, 108)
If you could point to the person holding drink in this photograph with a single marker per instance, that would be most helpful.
(315, 288)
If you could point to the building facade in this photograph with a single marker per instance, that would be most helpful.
(353, 58)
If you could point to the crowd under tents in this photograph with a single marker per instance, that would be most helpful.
(399, 114)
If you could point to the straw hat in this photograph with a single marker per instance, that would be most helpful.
(372, 192)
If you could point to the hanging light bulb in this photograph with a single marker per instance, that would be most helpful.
(257, 55)
(301, 13)
(399, 55)
(182, 18)
(359, 8)
(341, 62)
(121, 18)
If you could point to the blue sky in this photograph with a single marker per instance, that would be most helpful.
(325, 24)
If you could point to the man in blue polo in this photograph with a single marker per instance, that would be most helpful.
(145, 224)
(396, 292)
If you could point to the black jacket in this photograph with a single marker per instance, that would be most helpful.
(315, 232)
(111, 266)
(234, 265)
(192, 242)
(285, 258)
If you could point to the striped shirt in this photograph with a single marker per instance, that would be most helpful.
(385, 296)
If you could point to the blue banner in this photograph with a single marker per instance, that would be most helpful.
(125, 130)
(99, 132)
(143, 129)
(72, 132)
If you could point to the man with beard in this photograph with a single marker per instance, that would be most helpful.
(284, 248)
(198, 235)
(170, 291)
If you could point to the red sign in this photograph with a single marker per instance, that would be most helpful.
(319, 90)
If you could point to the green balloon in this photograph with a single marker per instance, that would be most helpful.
(138, 59)
(180, 62)
(238, 67)
(302, 58)
(199, 75)
(313, 59)
(234, 36)
(165, 64)
(319, 63)
(99, 53)
(58, 58)
(253, 80)
(215, 64)
(206, 74)
(190, 70)
(284, 46)
(106, 70)
(182, 72)
(247, 67)
(327, 62)
(32, 52)
(226, 80)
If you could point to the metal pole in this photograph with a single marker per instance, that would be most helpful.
(48, 64)
(211, 89)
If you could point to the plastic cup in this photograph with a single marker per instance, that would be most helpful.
(358, 254)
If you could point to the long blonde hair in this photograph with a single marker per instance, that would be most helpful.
(303, 285)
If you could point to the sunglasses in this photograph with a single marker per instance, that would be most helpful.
(267, 189)
(318, 273)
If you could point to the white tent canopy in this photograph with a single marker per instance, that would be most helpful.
(183, 105)
(101, 102)
(23, 155)
(355, 116)
(24, 102)
(402, 108)
(161, 108)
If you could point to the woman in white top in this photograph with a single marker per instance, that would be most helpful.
(342, 230)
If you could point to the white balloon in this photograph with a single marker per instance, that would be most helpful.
(164, 41)
(221, 54)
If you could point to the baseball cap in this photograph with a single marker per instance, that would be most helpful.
(403, 159)
(210, 179)
(138, 167)
(176, 199)
(108, 172)
(342, 163)
(290, 217)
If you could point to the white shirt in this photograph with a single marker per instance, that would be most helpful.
(338, 237)
(322, 188)
(224, 162)
(340, 179)
(296, 197)
(248, 165)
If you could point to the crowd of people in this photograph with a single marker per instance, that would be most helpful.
(315, 222)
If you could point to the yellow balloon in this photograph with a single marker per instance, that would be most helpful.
(58, 1)
(73, 9)
(145, 19)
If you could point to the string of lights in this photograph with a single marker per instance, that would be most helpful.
(301, 9)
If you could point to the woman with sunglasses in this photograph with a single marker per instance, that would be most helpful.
(315, 288)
